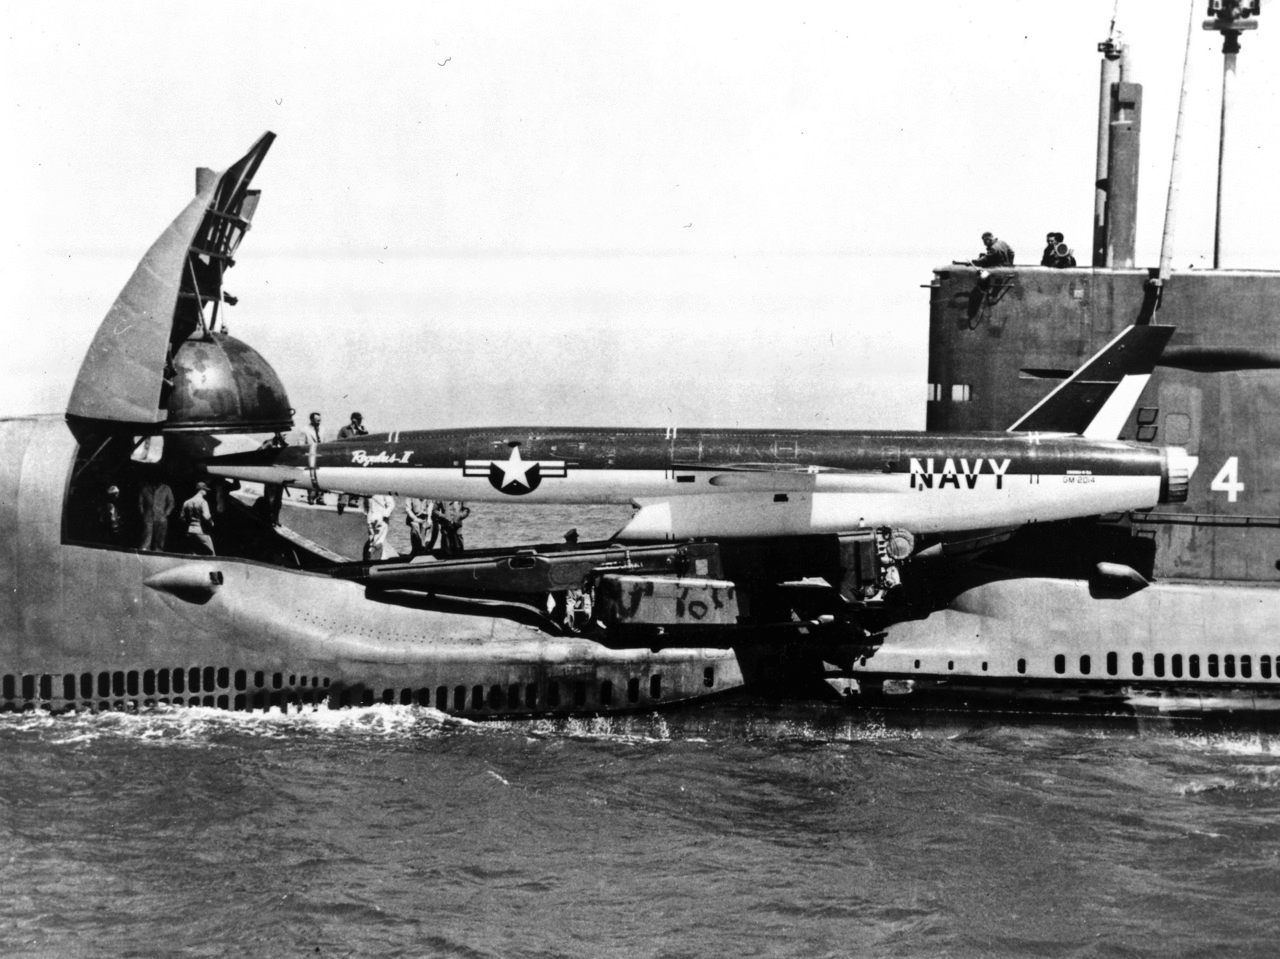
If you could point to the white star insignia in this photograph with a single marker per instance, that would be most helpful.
(514, 470)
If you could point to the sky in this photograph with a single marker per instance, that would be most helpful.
(587, 214)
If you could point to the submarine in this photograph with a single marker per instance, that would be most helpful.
(104, 611)
(1167, 609)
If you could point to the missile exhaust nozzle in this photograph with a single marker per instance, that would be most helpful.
(1176, 478)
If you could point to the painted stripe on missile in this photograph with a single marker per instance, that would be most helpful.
(1110, 420)
(554, 469)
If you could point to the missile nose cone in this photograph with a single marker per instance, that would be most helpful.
(271, 465)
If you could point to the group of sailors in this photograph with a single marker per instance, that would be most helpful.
(432, 520)
(156, 505)
(996, 252)
(311, 436)
(435, 526)
(429, 521)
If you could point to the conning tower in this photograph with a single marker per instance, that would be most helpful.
(997, 344)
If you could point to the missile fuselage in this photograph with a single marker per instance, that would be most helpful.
(692, 483)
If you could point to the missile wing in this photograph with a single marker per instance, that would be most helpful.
(1061, 460)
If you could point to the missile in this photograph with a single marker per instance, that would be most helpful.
(749, 483)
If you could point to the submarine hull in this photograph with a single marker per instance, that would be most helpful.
(1063, 645)
(114, 628)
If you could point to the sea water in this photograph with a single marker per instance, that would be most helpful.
(736, 828)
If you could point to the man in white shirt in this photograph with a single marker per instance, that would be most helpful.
(377, 510)
(311, 437)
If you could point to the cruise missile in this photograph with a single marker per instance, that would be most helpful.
(1061, 460)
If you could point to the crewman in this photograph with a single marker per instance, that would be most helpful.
(311, 437)
(566, 602)
(571, 608)
(577, 608)
(311, 432)
(999, 253)
(273, 493)
(1050, 249)
(377, 510)
(451, 527)
(111, 518)
(439, 520)
(198, 520)
(155, 503)
(351, 430)
(417, 516)
(354, 428)
(1056, 253)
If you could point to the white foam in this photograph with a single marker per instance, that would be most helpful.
(199, 725)
(1243, 743)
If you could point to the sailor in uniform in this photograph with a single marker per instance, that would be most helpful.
(198, 520)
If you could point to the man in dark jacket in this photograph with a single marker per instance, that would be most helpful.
(155, 503)
(999, 253)
(352, 430)
(1056, 253)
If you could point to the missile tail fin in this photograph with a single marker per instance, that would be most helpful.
(1096, 400)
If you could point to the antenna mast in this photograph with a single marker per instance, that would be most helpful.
(1230, 18)
(1113, 50)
